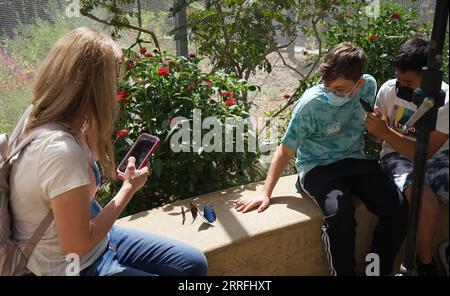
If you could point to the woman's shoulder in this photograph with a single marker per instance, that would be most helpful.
(58, 143)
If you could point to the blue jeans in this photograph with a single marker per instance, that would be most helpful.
(139, 253)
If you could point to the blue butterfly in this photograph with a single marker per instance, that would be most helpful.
(208, 216)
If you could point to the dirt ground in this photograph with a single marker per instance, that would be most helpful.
(274, 84)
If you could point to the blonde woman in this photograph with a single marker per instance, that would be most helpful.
(75, 91)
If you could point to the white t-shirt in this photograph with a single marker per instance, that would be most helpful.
(399, 111)
(51, 164)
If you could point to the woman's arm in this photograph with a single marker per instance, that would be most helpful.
(71, 210)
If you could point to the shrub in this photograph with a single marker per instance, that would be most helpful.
(380, 37)
(159, 87)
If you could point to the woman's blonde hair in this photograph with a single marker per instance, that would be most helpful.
(77, 80)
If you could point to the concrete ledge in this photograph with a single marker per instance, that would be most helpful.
(283, 240)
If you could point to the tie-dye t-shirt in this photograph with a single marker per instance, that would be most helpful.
(323, 133)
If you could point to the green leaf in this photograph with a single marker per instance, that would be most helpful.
(157, 166)
(129, 141)
(252, 88)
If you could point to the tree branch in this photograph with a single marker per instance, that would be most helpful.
(295, 96)
(317, 35)
(289, 66)
(121, 24)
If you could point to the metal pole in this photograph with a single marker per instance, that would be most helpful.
(430, 89)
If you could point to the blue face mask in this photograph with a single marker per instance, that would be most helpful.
(337, 98)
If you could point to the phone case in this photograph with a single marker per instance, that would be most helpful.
(366, 106)
(143, 136)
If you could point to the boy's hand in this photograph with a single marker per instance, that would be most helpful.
(244, 204)
(376, 124)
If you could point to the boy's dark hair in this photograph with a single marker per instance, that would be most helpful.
(412, 55)
(345, 60)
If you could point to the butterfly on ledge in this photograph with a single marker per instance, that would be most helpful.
(208, 215)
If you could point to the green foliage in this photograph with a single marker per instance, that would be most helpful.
(151, 100)
(237, 35)
(380, 37)
(20, 56)
(127, 15)
(34, 41)
(445, 59)
(12, 104)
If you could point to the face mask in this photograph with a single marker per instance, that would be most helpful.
(404, 92)
(338, 98)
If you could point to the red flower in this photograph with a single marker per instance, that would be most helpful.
(373, 37)
(130, 65)
(191, 86)
(230, 102)
(149, 55)
(143, 50)
(122, 133)
(122, 96)
(395, 16)
(208, 82)
(163, 71)
(226, 94)
(286, 95)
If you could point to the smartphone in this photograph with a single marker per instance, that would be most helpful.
(141, 150)
(366, 106)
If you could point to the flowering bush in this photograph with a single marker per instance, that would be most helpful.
(380, 37)
(158, 88)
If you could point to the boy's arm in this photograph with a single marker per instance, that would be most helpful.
(280, 160)
(377, 125)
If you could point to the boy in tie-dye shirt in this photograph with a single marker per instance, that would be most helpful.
(326, 136)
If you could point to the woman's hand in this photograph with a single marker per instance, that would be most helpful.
(245, 204)
(134, 179)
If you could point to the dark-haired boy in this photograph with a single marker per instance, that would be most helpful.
(394, 108)
(326, 135)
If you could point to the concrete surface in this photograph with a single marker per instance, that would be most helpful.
(283, 240)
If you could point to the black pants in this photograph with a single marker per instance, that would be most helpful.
(332, 188)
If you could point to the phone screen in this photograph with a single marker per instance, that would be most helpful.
(139, 152)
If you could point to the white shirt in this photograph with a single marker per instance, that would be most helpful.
(51, 164)
(399, 111)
